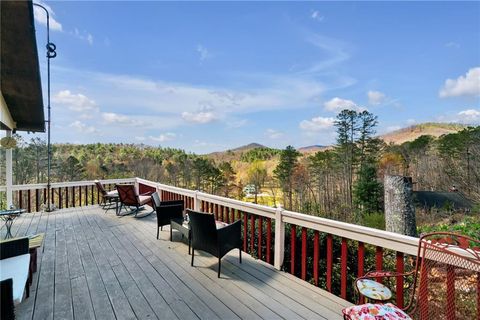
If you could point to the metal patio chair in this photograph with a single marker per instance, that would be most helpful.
(446, 283)
(129, 198)
(108, 197)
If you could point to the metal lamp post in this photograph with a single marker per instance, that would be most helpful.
(51, 53)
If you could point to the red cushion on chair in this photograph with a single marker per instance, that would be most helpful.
(371, 311)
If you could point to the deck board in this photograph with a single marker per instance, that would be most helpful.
(95, 265)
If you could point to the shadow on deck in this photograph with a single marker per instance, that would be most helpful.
(97, 265)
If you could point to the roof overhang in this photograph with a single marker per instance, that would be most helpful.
(20, 86)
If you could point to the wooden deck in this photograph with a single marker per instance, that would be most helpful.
(95, 265)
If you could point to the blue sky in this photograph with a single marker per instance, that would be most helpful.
(207, 76)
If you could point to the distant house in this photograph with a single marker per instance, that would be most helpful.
(434, 199)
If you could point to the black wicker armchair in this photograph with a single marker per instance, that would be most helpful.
(16, 274)
(218, 242)
(7, 308)
(166, 211)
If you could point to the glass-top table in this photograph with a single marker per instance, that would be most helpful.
(9, 216)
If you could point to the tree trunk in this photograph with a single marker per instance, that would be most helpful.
(399, 209)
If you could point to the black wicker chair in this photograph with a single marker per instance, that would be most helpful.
(7, 308)
(218, 242)
(13, 248)
(166, 211)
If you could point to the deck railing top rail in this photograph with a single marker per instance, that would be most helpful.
(257, 209)
(19, 187)
(385, 239)
(376, 237)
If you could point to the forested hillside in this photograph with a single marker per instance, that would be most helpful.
(343, 182)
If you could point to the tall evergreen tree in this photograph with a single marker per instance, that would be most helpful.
(257, 174)
(284, 172)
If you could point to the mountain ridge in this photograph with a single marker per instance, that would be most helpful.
(397, 136)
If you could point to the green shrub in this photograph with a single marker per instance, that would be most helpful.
(374, 220)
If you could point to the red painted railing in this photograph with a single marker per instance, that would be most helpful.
(333, 262)
(255, 229)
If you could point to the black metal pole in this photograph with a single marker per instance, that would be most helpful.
(50, 54)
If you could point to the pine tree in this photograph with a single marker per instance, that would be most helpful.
(284, 172)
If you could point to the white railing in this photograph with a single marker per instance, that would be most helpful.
(18, 187)
(375, 237)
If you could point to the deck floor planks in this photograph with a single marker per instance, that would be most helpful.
(230, 295)
(229, 286)
(177, 285)
(81, 301)
(116, 295)
(134, 295)
(97, 265)
(46, 277)
(98, 293)
(145, 284)
(215, 304)
(173, 300)
(232, 302)
(277, 305)
(63, 308)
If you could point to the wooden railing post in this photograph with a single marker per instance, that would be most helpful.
(279, 248)
(196, 202)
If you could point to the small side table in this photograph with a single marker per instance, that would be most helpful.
(34, 242)
(9, 217)
(184, 228)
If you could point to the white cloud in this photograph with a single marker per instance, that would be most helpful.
(199, 117)
(85, 36)
(317, 16)
(234, 124)
(75, 102)
(41, 16)
(115, 118)
(375, 97)
(469, 116)
(392, 128)
(82, 127)
(203, 52)
(90, 39)
(317, 124)
(467, 85)
(334, 49)
(411, 121)
(267, 92)
(163, 137)
(274, 134)
(338, 104)
(452, 44)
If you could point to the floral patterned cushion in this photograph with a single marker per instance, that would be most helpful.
(375, 312)
(373, 290)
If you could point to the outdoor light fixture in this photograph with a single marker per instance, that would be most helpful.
(51, 53)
